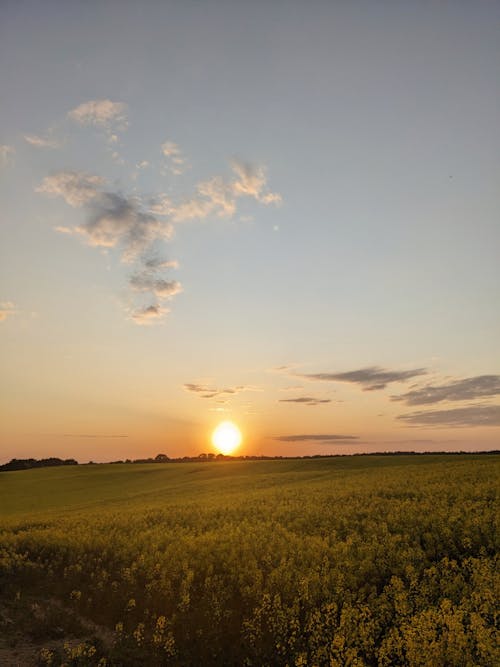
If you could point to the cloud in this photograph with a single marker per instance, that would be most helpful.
(146, 282)
(213, 198)
(161, 205)
(206, 391)
(472, 415)
(149, 314)
(306, 400)
(370, 379)
(116, 220)
(40, 142)
(174, 154)
(218, 197)
(92, 435)
(75, 187)
(101, 113)
(458, 390)
(6, 155)
(252, 182)
(113, 220)
(286, 368)
(7, 309)
(161, 263)
(322, 438)
(169, 149)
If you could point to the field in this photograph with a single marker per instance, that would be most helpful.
(386, 560)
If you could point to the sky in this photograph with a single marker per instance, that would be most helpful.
(284, 214)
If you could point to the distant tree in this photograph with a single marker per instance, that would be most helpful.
(161, 458)
(26, 464)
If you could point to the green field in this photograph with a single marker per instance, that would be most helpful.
(386, 560)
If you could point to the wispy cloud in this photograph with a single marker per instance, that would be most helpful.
(285, 368)
(305, 400)
(6, 155)
(472, 415)
(218, 197)
(252, 182)
(161, 263)
(7, 309)
(370, 379)
(149, 314)
(177, 161)
(458, 390)
(137, 227)
(147, 282)
(207, 391)
(92, 435)
(315, 437)
(41, 142)
(75, 187)
(213, 198)
(113, 220)
(103, 114)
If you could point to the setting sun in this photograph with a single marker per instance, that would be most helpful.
(226, 437)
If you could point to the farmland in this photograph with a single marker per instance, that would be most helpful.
(367, 560)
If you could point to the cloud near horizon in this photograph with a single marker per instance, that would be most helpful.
(206, 391)
(305, 400)
(371, 378)
(479, 386)
(317, 437)
(91, 435)
(470, 416)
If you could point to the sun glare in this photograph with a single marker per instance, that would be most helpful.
(226, 437)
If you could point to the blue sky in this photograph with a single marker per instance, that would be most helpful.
(195, 194)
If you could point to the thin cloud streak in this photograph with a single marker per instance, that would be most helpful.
(41, 142)
(305, 400)
(479, 386)
(316, 437)
(470, 416)
(91, 435)
(371, 378)
(206, 391)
